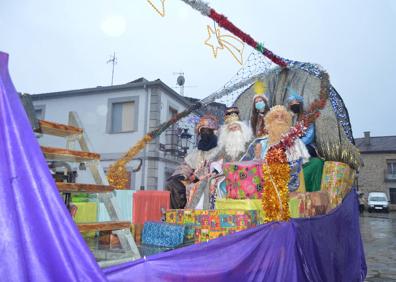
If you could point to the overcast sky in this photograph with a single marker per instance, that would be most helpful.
(57, 45)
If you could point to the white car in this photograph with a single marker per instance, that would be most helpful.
(377, 201)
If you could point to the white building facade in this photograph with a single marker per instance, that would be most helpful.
(115, 118)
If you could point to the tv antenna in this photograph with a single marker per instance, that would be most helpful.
(180, 82)
(113, 59)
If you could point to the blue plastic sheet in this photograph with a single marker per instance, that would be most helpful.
(39, 241)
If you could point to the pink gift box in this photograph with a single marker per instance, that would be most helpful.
(244, 180)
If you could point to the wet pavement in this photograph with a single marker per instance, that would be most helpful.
(379, 237)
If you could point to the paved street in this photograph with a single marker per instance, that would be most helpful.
(379, 237)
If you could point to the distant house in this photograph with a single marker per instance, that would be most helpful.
(379, 165)
(116, 117)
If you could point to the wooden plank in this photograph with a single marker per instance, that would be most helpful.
(103, 226)
(85, 188)
(61, 154)
(58, 129)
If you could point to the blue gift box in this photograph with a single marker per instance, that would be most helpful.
(149, 250)
(163, 234)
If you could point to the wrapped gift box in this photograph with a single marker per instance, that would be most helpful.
(210, 224)
(86, 212)
(316, 203)
(308, 204)
(163, 234)
(205, 234)
(202, 218)
(243, 180)
(189, 233)
(185, 216)
(297, 204)
(246, 204)
(337, 180)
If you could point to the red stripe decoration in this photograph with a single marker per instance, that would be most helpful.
(222, 21)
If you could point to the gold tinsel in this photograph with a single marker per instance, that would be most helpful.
(118, 174)
(276, 174)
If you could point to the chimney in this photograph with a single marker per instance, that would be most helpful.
(367, 137)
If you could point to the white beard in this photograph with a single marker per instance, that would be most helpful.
(235, 142)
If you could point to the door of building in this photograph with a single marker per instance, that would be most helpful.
(392, 195)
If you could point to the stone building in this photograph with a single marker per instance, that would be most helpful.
(378, 173)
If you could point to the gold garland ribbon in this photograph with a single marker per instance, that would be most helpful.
(276, 174)
(118, 174)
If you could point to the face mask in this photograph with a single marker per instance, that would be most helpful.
(260, 106)
(295, 108)
(206, 136)
(207, 142)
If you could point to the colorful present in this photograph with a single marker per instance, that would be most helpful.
(189, 233)
(163, 234)
(246, 204)
(185, 216)
(243, 180)
(205, 234)
(297, 204)
(316, 203)
(337, 180)
(202, 218)
(86, 212)
(210, 224)
(308, 204)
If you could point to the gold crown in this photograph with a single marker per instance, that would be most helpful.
(230, 118)
(259, 87)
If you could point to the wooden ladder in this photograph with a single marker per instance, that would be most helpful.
(73, 132)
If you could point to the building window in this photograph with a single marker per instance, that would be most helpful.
(39, 112)
(391, 167)
(122, 115)
(172, 138)
(392, 195)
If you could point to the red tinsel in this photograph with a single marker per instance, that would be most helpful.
(288, 140)
(276, 59)
(222, 21)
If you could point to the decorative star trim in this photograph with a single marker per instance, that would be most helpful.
(229, 42)
(214, 42)
(158, 7)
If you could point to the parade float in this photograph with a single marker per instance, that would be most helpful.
(305, 235)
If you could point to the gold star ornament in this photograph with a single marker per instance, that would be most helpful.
(158, 6)
(218, 41)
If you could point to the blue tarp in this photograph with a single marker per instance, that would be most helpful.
(40, 242)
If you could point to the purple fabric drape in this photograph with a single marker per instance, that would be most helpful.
(324, 248)
(330, 247)
(39, 241)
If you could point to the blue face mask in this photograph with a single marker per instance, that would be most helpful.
(260, 105)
